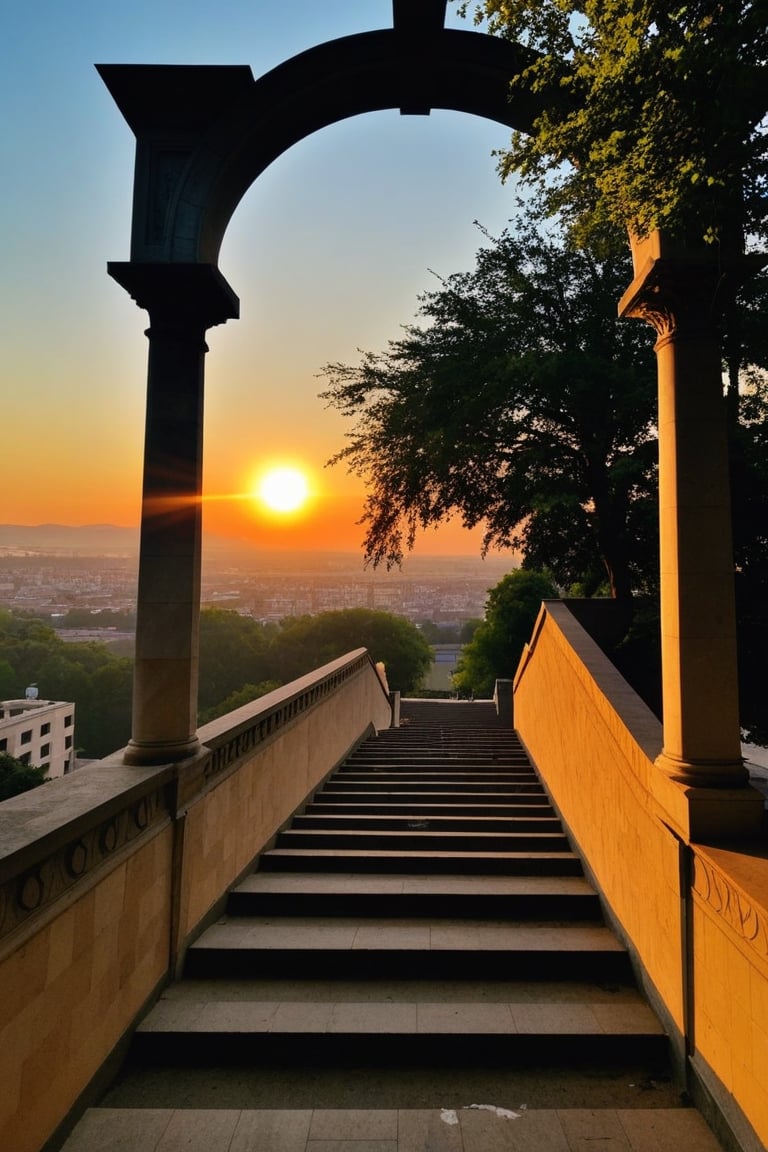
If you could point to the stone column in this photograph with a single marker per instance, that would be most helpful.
(183, 301)
(676, 292)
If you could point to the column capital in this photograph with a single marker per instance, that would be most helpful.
(676, 298)
(182, 294)
(682, 291)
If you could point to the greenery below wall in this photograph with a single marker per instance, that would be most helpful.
(240, 659)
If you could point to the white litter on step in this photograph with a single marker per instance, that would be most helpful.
(502, 1113)
(448, 1116)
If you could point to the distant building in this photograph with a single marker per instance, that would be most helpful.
(39, 732)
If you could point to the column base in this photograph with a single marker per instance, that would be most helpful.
(699, 811)
(704, 773)
(151, 755)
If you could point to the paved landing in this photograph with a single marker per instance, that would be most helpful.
(474, 1127)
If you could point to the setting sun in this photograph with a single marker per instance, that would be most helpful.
(282, 489)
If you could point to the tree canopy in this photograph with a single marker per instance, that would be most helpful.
(659, 115)
(494, 651)
(520, 402)
(17, 777)
(88, 674)
(234, 651)
(307, 642)
(240, 660)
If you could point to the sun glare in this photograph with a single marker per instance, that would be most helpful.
(282, 490)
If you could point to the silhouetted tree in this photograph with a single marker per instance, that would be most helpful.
(521, 403)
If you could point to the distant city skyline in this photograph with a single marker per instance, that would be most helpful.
(328, 253)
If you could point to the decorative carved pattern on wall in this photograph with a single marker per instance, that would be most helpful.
(748, 922)
(265, 726)
(31, 892)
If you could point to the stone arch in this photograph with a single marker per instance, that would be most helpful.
(205, 134)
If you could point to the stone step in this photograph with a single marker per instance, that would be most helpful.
(422, 840)
(373, 947)
(415, 785)
(338, 808)
(431, 999)
(442, 770)
(355, 894)
(528, 796)
(480, 761)
(420, 822)
(378, 860)
(349, 1085)
(201, 1030)
(460, 1126)
(402, 745)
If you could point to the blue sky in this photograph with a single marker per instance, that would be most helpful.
(328, 251)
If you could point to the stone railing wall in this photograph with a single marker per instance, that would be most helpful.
(694, 914)
(107, 875)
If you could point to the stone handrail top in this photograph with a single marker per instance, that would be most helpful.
(44, 820)
(222, 728)
(41, 820)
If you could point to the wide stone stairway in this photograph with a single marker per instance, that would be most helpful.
(417, 965)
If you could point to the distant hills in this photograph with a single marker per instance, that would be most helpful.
(94, 540)
(91, 539)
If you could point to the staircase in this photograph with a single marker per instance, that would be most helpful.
(418, 965)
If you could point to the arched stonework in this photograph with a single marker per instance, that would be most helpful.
(204, 134)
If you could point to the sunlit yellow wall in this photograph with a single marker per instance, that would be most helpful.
(70, 990)
(227, 824)
(594, 743)
(730, 934)
(129, 862)
(568, 710)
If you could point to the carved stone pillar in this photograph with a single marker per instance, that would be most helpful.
(676, 293)
(183, 301)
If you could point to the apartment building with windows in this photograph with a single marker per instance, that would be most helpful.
(39, 732)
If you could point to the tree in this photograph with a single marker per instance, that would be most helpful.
(17, 777)
(89, 675)
(7, 680)
(656, 112)
(245, 695)
(468, 630)
(495, 649)
(438, 633)
(307, 642)
(521, 402)
(234, 650)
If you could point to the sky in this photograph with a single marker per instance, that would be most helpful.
(328, 253)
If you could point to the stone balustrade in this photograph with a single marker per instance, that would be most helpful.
(687, 895)
(108, 874)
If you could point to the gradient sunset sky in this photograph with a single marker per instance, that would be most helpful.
(327, 252)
